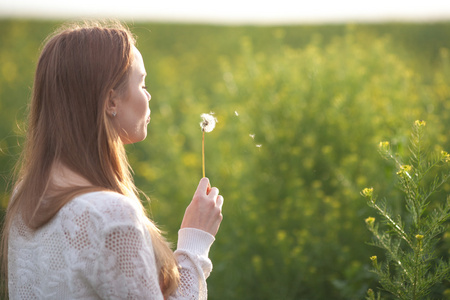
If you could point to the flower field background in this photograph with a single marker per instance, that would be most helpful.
(300, 109)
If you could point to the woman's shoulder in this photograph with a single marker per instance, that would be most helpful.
(105, 206)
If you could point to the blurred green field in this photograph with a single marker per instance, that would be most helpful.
(301, 111)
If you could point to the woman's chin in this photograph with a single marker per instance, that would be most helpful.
(134, 139)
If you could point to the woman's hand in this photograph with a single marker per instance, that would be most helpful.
(205, 210)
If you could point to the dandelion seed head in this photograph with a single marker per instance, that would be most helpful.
(208, 122)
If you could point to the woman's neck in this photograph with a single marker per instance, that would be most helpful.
(62, 176)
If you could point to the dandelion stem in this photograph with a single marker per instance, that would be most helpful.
(207, 125)
(203, 153)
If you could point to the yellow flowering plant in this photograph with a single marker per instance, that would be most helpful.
(411, 267)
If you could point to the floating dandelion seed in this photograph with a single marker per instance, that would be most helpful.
(252, 136)
(207, 125)
(236, 113)
(258, 146)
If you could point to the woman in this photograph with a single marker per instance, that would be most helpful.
(75, 228)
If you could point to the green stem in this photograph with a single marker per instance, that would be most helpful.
(416, 270)
(397, 227)
(392, 254)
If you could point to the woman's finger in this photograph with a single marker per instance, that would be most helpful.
(219, 201)
(203, 187)
(214, 192)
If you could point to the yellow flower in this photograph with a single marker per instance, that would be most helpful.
(419, 237)
(367, 192)
(405, 170)
(384, 146)
(374, 261)
(445, 156)
(420, 123)
(370, 221)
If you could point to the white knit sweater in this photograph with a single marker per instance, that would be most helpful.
(97, 247)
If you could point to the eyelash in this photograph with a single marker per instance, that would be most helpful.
(144, 87)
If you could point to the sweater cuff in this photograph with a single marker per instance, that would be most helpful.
(195, 241)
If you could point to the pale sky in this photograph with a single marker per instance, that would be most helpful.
(233, 11)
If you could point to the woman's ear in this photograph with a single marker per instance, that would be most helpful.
(112, 102)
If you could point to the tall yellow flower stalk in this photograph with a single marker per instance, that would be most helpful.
(207, 125)
(411, 268)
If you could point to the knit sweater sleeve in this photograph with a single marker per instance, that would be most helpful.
(192, 256)
(126, 268)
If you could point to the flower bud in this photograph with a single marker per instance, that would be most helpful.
(405, 170)
(374, 261)
(370, 221)
(445, 157)
(367, 192)
(384, 146)
(420, 123)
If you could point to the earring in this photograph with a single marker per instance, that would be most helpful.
(114, 113)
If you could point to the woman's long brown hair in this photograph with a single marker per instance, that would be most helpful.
(68, 124)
